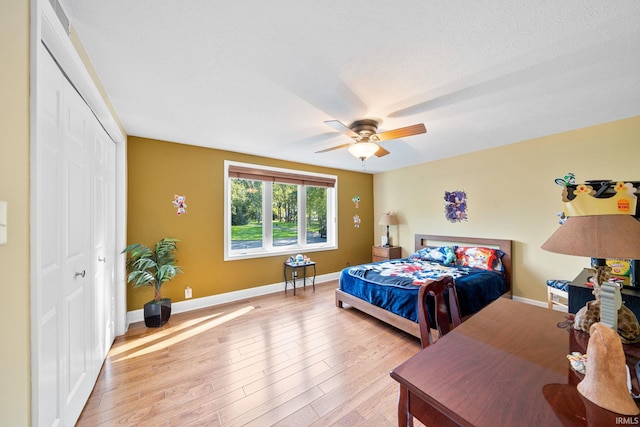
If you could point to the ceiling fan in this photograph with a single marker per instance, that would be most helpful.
(365, 137)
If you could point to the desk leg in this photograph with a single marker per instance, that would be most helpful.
(285, 278)
(405, 419)
(295, 276)
(314, 278)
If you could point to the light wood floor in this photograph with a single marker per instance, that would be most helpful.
(272, 360)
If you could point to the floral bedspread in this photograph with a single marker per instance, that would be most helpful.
(407, 272)
(393, 285)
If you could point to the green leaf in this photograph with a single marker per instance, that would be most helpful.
(152, 267)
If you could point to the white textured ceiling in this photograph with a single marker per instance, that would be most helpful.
(261, 77)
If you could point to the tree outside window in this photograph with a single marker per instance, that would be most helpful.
(266, 216)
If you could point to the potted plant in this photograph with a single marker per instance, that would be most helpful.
(153, 267)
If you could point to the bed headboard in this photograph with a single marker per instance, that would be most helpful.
(423, 240)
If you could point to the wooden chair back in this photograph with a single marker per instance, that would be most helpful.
(436, 289)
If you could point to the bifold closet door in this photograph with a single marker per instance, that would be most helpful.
(69, 339)
(103, 233)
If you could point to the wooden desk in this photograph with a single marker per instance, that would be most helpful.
(504, 366)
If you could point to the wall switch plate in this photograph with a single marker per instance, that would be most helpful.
(3, 223)
(187, 293)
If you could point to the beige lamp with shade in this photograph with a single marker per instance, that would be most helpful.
(600, 237)
(388, 219)
(611, 233)
(599, 228)
(597, 236)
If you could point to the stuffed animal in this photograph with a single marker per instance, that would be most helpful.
(628, 327)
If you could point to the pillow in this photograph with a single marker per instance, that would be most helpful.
(480, 257)
(442, 254)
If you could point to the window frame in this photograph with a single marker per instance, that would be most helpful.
(287, 176)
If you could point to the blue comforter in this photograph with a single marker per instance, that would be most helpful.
(393, 285)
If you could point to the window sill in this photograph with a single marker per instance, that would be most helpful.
(276, 253)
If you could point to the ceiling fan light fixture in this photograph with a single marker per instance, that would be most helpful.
(365, 135)
(363, 150)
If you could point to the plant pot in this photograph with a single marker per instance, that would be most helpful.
(157, 313)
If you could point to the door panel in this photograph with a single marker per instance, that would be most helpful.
(49, 248)
(103, 235)
(78, 364)
(74, 195)
(49, 369)
(110, 245)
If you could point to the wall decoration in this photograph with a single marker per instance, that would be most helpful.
(455, 206)
(180, 204)
(568, 179)
(356, 221)
(356, 200)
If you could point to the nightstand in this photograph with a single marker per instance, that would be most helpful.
(294, 274)
(381, 253)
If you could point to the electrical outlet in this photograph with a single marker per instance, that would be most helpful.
(187, 292)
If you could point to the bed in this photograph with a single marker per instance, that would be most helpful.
(388, 290)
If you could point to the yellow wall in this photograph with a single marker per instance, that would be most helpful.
(14, 188)
(512, 194)
(157, 170)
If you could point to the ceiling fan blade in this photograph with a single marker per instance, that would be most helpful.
(337, 147)
(381, 152)
(341, 127)
(401, 132)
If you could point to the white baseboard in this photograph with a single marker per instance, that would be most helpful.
(542, 304)
(197, 303)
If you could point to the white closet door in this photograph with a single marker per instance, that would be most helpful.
(77, 293)
(48, 244)
(104, 245)
(74, 233)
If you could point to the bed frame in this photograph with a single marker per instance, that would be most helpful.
(422, 240)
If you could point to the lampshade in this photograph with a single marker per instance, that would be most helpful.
(597, 236)
(388, 219)
(363, 150)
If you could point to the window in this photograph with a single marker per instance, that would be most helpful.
(270, 211)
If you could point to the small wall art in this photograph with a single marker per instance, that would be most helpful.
(179, 202)
(568, 179)
(356, 200)
(455, 206)
(356, 221)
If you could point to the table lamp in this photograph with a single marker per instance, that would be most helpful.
(601, 237)
(598, 227)
(388, 219)
(602, 228)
